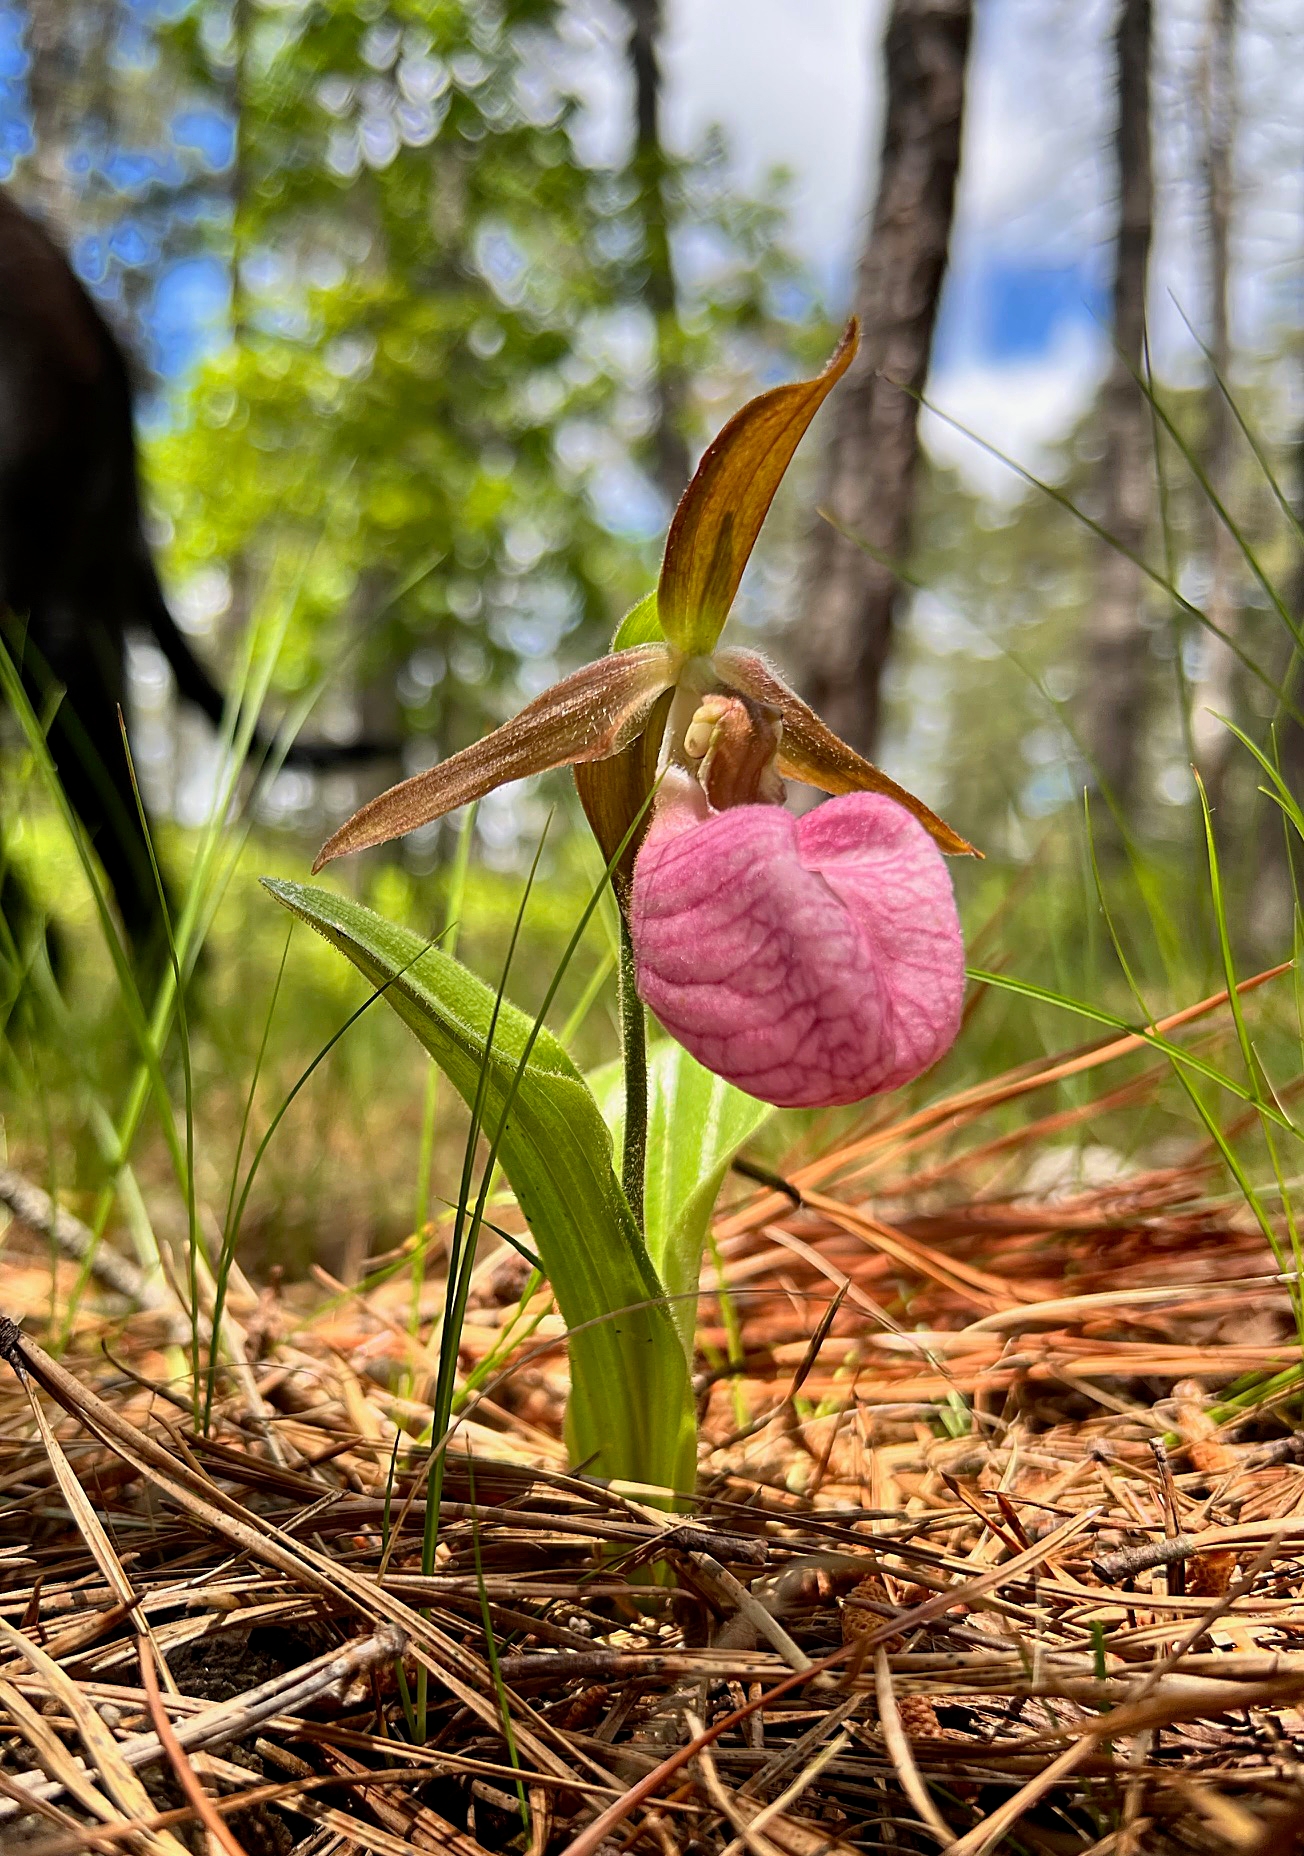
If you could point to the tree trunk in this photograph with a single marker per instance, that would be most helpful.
(672, 462)
(1117, 645)
(1215, 692)
(241, 163)
(69, 86)
(871, 465)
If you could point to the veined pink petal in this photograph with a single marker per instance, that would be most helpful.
(810, 961)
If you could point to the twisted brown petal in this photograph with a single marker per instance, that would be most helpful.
(721, 512)
(614, 792)
(589, 715)
(810, 751)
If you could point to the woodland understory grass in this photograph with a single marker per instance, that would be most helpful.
(1047, 1562)
(257, 1107)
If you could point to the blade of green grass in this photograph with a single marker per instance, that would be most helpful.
(1045, 995)
(452, 919)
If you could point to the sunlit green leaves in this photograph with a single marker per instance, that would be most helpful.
(696, 1125)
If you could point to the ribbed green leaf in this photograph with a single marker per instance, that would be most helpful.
(631, 1411)
(640, 625)
(696, 1124)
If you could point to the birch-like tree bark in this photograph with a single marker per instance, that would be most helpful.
(1114, 701)
(871, 465)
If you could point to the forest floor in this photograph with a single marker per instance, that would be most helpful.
(983, 1555)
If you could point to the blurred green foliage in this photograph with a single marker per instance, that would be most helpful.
(431, 424)
(441, 371)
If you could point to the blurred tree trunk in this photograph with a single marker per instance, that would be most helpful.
(240, 611)
(241, 162)
(69, 87)
(1117, 644)
(1282, 865)
(1291, 732)
(870, 470)
(52, 93)
(669, 445)
(1217, 686)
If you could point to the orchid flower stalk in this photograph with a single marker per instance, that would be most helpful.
(807, 961)
(810, 962)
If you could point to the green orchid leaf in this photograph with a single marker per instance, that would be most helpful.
(631, 1409)
(720, 513)
(640, 625)
(697, 1123)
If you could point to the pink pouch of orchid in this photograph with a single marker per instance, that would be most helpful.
(810, 961)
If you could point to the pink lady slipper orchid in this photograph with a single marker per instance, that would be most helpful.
(810, 961)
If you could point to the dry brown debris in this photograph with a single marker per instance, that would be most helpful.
(1003, 1564)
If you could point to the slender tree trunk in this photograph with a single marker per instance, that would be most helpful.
(1216, 689)
(240, 611)
(670, 447)
(871, 464)
(241, 25)
(1117, 645)
(52, 93)
(70, 88)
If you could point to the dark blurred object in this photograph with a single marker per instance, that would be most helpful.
(75, 569)
(869, 486)
(1118, 654)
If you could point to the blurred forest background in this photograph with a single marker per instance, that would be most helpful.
(434, 303)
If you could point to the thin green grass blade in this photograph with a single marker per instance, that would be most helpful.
(145, 1033)
(467, 1225)
(1224, 515)
(1231, 1158)
(1182, 1059)
(232, 1235)
(430, 1106)
(1170, 561)
(1280, 792)
(188, 1080)
(1255, 1072)
(601, 973)
(1251, 437)
(1065, 502)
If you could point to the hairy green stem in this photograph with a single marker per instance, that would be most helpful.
(633, 1041)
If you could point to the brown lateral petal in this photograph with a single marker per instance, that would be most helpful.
(810, 751)
(721, 512)
(587, 716)
(614, 791)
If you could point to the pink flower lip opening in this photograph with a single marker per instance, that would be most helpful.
(811, 962)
